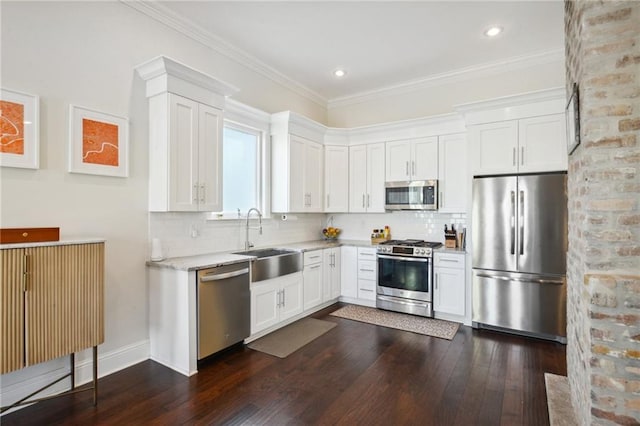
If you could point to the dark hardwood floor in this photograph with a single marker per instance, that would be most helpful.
(355, 374)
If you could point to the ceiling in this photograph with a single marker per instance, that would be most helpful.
(379, 44)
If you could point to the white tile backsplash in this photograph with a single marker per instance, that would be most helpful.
(423, 225)
(187, 234)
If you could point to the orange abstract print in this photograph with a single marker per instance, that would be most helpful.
(11, 127)
(99, 143)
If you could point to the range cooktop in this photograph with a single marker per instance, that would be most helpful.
(412, 243)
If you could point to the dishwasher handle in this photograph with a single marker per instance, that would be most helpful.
(218, 277)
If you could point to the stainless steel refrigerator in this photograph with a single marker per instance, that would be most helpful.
(519, 245)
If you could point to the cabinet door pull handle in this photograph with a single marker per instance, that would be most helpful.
(522, 156)
(283, 299)
(202, 193)
(514, 156)
(413, 168)
(436, 281)
(407, 168)
(363, 201)
(441, 199)
(368, 201)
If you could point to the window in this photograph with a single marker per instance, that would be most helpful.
(241, 169)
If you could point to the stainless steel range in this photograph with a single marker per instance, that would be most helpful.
(405, 276)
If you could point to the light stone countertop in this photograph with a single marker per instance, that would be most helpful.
(52, 243)
(212, 260)
(200, 261)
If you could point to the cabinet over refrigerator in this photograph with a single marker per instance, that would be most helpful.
(519, 254)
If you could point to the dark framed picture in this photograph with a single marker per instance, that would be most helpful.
(572, 114)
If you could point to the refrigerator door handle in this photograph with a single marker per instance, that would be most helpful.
(521, 222)
(513, 222)
(525, 280)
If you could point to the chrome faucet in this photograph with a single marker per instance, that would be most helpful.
(247, 243)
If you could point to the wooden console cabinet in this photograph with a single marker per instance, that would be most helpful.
(51, 301)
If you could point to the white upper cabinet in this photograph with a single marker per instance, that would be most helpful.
(453, 176)
(297, 170)
(412, 159)
(194, 172)
(523, 133)
(542, 142)
(313, 176)
(528, 145)
(185, 136)
(495, 147)
(297, 165)
(366, 178)
(336, 175)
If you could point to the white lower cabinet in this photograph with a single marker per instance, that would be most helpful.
(312, 279)
(349, 272)
(359, 275)
(275, 300)
(331, 274)
(367, 273)
(449, 283)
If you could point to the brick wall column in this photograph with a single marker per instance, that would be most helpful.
(603, 263)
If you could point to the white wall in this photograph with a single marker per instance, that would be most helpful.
(434, 98)
(85, 53)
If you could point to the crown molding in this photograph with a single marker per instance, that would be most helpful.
(161, 65)
(164, 15)
(236, 111)
(297, 124)
(551, 94)
(530, 104)
(404, 129)
(462, 74)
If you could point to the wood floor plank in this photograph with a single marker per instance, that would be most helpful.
(356, 373)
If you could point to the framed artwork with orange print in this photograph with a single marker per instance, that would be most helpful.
(98, 143)
(19, 130)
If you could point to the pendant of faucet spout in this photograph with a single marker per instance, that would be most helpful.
(247, 244)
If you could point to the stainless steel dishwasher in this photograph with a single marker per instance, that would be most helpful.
(224, 307)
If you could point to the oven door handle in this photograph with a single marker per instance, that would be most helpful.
(408, 259)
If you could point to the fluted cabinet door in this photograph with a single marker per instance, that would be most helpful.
(11, 310)
(64, 300)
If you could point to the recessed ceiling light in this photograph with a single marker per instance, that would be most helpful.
(339, 73)
(493, 31)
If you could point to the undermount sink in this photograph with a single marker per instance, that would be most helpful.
(273, 263)
(267, 252)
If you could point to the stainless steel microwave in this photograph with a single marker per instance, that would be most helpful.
(412, 195)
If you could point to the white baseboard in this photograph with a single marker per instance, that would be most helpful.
(18, 384)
